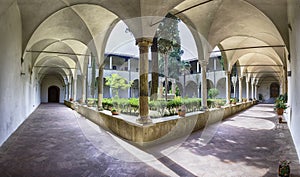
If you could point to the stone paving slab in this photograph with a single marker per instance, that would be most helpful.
(56, 141)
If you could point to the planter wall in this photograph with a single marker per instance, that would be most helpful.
(161, 130)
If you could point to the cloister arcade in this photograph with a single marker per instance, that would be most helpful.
(48, 46)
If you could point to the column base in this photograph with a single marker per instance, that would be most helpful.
(144, 120)
(204, 108)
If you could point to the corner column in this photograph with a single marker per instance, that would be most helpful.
(144, 45)
(203, 84)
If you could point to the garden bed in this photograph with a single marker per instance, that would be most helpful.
(162, 129)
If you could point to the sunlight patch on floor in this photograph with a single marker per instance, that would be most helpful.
(210, 165)
(251, 123)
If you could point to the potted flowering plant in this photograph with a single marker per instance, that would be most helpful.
(114, 111)
(280, 106)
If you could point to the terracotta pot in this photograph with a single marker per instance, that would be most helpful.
(280, 111)
(114, 113)
(181, 113)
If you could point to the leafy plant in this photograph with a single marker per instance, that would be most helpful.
(213, 93)
(116, 82)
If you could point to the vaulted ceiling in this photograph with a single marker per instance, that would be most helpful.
(252, 33)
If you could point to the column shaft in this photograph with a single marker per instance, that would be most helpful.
(74, 88)
(143, 75)
(100, 87)
(203, 85)
(228, 87)
(241, 89)
(83, 88)
(247, 90)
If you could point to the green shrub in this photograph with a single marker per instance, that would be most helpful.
(213, 93)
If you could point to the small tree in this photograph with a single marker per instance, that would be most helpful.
(116, 82)
(213, 93)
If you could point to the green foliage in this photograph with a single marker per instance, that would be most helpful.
(169, 46)
(107, 103)
(282, 98)
(134, 102)
(116, 82)
(281, 102)
(213, 93)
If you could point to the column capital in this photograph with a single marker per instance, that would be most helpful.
(144, 42)
(228, 72)
(203, 62)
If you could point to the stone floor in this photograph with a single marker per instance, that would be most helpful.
(55, 141)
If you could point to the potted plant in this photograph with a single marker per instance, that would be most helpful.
(284, 168)
(181, 111)
(114, 111)
(234, 101)
(280, 106)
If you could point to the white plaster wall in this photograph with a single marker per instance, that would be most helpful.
(49, 81)
(294, 85)
(221, 86)
(264, 89)
(18, 95)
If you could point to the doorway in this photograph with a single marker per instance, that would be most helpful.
(53, 94)
(274, 90)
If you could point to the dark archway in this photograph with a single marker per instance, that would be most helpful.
(53, 94)
(274, 90)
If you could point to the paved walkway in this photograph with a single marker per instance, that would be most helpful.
(55, 141)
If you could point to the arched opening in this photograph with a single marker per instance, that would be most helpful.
(53, 94)
(274, 90)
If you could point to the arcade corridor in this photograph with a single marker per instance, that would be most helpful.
(56, 141)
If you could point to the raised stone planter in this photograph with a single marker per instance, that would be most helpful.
(162, 129)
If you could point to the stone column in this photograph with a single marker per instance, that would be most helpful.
(100, 87)
(247, 89)
(110, 63)
(198, 68)
(129, 77)
(74, 87)
(252, 87)
(144, 45)
(233, 80)
(228, 87)
(255, 92)
(70, 90)
(241, 89)
(83, 88)
(110, 67)
(203, 84)
(66, 91)
(160, 90)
